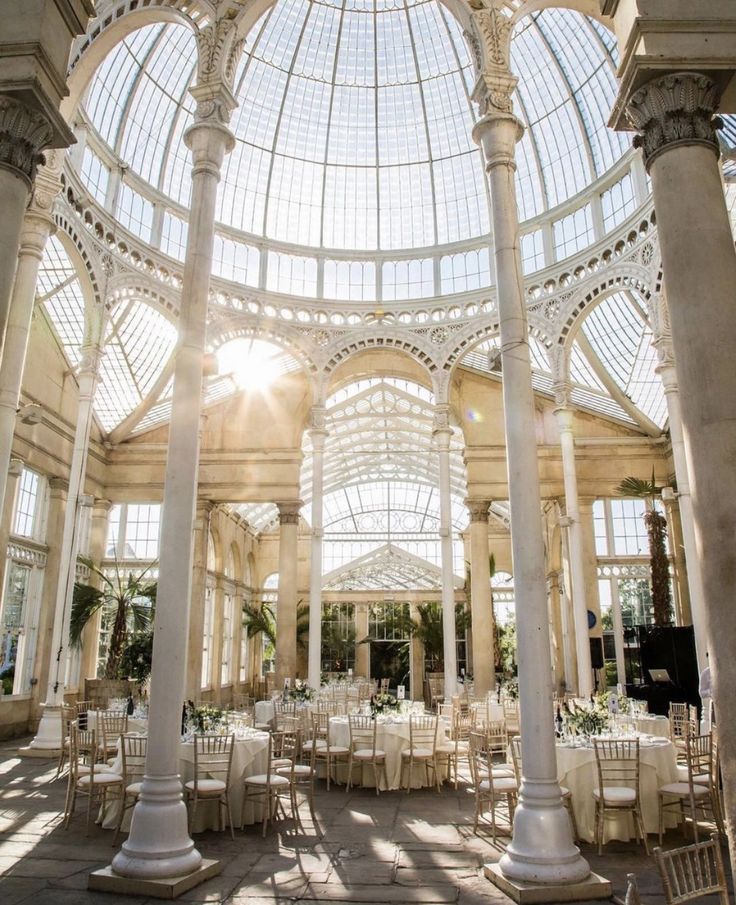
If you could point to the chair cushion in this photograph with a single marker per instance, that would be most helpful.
(618, 796)
(334, 749)
(702, 779)
(299, 770)
(682, 790)
(101, 779)
(134, 788)
(503, 770)
(320, 743)
(503, 784)
(417, 753)
(261, 779)
(367, 754)
(206, 786)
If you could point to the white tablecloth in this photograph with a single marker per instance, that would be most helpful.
(392, 736)
(576, 769)
(651, 724)
(265, 713)
(250, 757)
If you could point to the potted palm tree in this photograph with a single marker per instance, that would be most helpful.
(130, 598)
(261, 620)
(656, 525)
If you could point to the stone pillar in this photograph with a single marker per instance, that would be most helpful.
(218, 613)
(541, 850)
(441, 434)
(590, 568)
(158, 846)
(666, 370)
(58, 489)
(287, 592)
(680, 590)
(481, 603)
(674, 116)
(37, 227)
(97, 544)
(558, 649)
(24, 133)
(193, 674)
(48, 736)
(318, 435)
(575, 546)
(362, 651)
(416, 655)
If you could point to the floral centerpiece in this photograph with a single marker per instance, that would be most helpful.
(300, 692)
(204, 717)
(586, 721)
(383, 703)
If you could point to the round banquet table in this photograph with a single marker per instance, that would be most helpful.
(250, 757)
(265, 713)
(576, 769)
(392, 736)
(651, 724)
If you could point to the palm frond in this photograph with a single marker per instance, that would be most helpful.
(259, 620)
(86, 601)
(637, 487)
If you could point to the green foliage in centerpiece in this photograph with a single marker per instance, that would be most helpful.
(383, 703)
(586, 721)
(300, 692)
(205, 717)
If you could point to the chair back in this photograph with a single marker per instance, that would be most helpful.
(134, 749)
(68, 714)
(83, 750)
(362, 732)
(480, 759)
(423, 731)
(462, 723)
(283, 709)
(112, 724)
(679, 721)
(617, 763)
(83, 708)
(515, 744)
(213, 756)
(693, 872)
(496, 732)
(700, 758)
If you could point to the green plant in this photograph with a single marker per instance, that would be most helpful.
(7, 678)
(261, 620)
(429, 631)
(131, 597)
(137, 658)
(656, 525)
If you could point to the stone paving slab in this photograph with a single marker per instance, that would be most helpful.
(362, 849)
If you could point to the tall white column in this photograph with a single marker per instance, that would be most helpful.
(674, 116)
(575, 541)
(481, 607)
(24, 133)
(287, 591)
(318, 435)
(37, 227)
(159, 846)
(541, 850)
(666, 370)
(442, 434)
(48, 736)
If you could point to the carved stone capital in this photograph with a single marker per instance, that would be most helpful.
(219, 48)
(478, 510)
(89, 362)
(441, 420)
(24, 133)
(289, 512)
(675, 109)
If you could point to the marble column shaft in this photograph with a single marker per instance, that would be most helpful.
(541, 850)
(442, 434)
(318, 436)
(575, 547)
(159, 845)
(481, 604)
(674, 117)
(286, 664)
(37, 227)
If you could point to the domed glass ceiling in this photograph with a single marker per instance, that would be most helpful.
(354, 121)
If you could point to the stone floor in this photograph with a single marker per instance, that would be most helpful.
(396, 848)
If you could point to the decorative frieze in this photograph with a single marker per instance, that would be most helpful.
(675, 109)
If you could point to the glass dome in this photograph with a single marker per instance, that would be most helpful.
(353, 130)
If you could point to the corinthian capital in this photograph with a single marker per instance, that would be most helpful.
(478, 510)
(289, 512)
(24, 133)
(490, 44)
(675, 109)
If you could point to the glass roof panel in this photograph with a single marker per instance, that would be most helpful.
(354, 122)
(63, 302)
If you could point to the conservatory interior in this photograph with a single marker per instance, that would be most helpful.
(368, 412)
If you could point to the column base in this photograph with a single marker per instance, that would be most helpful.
(106, 880)
(48, 741)
(593, 887)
